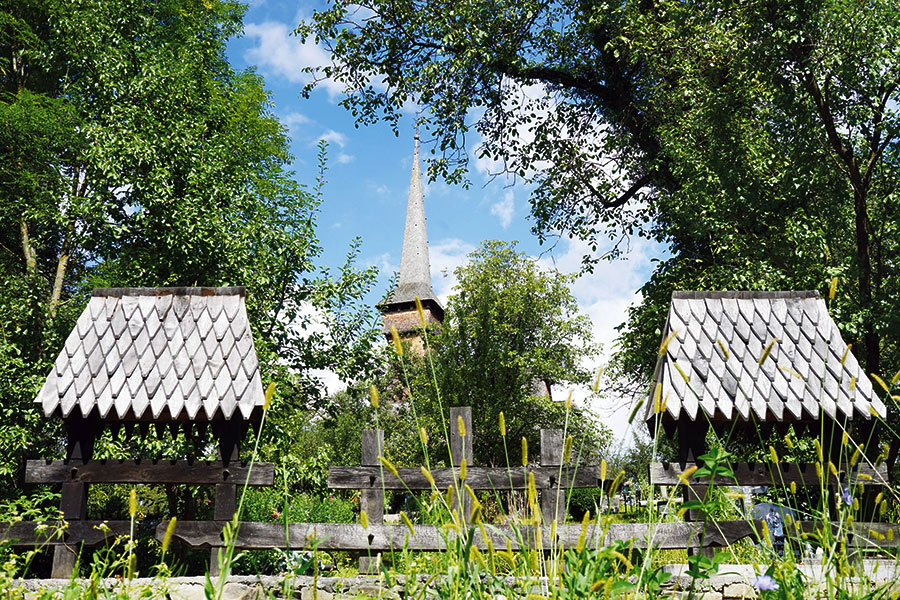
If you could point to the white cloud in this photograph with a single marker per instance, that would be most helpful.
(384, 262)
(293, 121)
(504, 209)
(279, 54)
(445, 256)
(334, 137)
(345, 159)
(605, 296)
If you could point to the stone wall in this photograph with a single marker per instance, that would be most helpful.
(734, 582)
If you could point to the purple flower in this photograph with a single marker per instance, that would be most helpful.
(765, 583)
(847, 497)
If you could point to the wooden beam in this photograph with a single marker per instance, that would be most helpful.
(782, 474)
(478, 478)
(75, 533)
(461, 449)
(146, 471)
(383, 538)
(553, 497)
(371, 499)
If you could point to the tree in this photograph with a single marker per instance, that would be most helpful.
(509, 326)
(134, 155)
(757, 139)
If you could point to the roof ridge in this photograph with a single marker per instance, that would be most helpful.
(238, 290)
(745, 294)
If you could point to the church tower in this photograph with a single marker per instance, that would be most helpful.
(398, 309)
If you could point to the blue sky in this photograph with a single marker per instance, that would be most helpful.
(368, 179)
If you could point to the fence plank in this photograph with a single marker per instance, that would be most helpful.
(803, 474)
(553, 497)
(383, 538)
(372, 498)
(145, 471)
(75, 533)
(478, 478)
(461, 449)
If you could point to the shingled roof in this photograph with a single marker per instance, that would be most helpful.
(157, 354)
(711, 362)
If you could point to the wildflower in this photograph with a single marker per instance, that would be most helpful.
(420, 311)
(686, 474)
(768, 351)
(270, 392)
(427, 474)
(170, 530)
(388, 465)
(407, 522)
(664, 347)
(847, 497)
(765, 583)
(395, 335)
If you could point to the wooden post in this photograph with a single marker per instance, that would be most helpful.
(372, 500)
(73, 502)
(460, 448)
(225, 504)
(553, 499)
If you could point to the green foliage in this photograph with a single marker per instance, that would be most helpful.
(757, 140)
(510, 327)
(132, 154)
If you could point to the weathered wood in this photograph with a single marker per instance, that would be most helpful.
(461, 449)
(803, 474)
(371, 499)
(144, 471)
(553, 497)
(478, 478)
(57, 533)
(383, 538)
(73, 505)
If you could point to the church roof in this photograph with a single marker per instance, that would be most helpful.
(415, 267)
(160, 354)
(713, 363)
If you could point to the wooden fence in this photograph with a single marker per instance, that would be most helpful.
(551, 477)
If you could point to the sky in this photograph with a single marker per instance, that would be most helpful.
(368, 179)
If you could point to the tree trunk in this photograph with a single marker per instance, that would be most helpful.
(863, 256)
(27, 249)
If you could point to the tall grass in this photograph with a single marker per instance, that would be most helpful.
(473, 567)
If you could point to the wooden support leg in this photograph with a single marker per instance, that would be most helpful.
(73, 504)
(461, 448)
(372, 500)
(553, 499)
(226, 493)
(223, 510)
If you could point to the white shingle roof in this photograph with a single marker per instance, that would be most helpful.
(712, 361)
(165, 353)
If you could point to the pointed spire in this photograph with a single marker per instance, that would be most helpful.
(415, 267)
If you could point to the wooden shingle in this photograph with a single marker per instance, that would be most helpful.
(158, 354)
(719, 340)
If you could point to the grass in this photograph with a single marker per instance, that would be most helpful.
(472, 567)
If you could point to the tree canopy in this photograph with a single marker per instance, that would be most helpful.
(758, 140)
(510, 330)
(134, 155)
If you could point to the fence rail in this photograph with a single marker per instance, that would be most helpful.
(551, 478)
